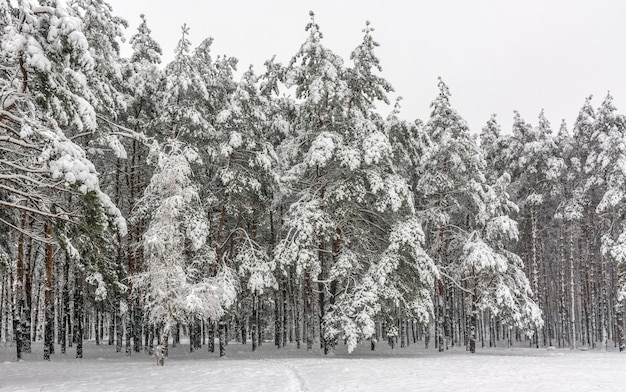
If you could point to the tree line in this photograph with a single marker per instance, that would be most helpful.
(140, 202)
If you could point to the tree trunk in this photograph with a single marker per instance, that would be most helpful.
(18, 323)
(49, 316)
(298, 315)
(137, 328)
(78, 313)
(254, 327)
(211, 337)
(620, 328)
(161, 351)
(222, 336)
(129, 327)
(28, 289)
(65, 307)
(285, 312)
(440, 317)
(310, 327)
(473, 326)
(119, 327)
(277, 321)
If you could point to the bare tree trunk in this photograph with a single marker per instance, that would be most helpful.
(222, 336)
(28, 289)
(592, 299)
(65, 307)
(620, 328)
(473, 327)
(277, 321)
(254, 327)
(119, 327)
(137, 328)
(161, 351)
(129, 327)
(78, 313)
(49, 316)
(285, 311)
(562, 289)
(298, 314)
(310, 327)
(18, 298)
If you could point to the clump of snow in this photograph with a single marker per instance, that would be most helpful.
(322, 149)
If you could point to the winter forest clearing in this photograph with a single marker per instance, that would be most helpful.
(142, 204)
(292, 370)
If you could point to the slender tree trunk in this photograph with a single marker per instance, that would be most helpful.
(161, 351)
(150, 339)
(28, 290)
(562, 289)
(260, 333)
(129, 327)
(297, 311)
(65, 307)
(137, 328)
(620, 328)
(3, 315)
(473, 326)
(78, 312)
(97, 316)
(277, 321)
(211, 337)
(18, 300)
(17, 325)
(119, 327)
(310, 327)
(49, 316)
(254, 327)
(285, 312)
(222, 336)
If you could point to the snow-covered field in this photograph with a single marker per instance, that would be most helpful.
(288, 369)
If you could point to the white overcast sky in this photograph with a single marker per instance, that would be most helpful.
(495, 55)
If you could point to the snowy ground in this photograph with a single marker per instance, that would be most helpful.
(288, 369)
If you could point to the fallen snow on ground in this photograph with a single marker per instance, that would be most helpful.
(289, 369)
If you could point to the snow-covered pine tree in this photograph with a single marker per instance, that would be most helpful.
(181, 280)
(606, 171)
(493, 275)
(245, 183)
(143, 80)
(350, 226)
(535, 171)
(587, 198)
(46, 58)
(450, 174)
(470, 229)
(494, 148)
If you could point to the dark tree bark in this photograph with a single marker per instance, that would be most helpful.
(211, 337)
(278, 338)
(473, 326)
(222, 336)
(119, 328)
(137, 327)
(254, 322)
(78, 313)
(129, 328)
(65, 307)
(620, 329)
(49, 315)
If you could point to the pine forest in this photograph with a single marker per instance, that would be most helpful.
(142, 202)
